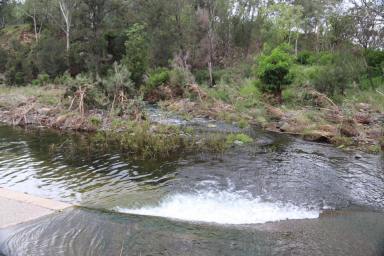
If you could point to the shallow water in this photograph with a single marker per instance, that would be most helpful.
(205, 204)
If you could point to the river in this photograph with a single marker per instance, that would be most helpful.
(277, 196)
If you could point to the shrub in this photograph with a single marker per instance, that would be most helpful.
(157, 78)
(117, 80)
(305, 58)
(96, 121)
(20, 67)
(221, 94)
(331, 79)
(3, 59)
(375, 61)
(289, 95)
(324, 58)
(274, 70)
(240, 137)
(50, 57)
(250, 88)
(375, 67)
(41, 80)
(336, 77)
(220, 75)
(180, 77)
(94, 97)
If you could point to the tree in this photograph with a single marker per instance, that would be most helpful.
(368, 23)
(67, 8)
(274, 70)
(136, 58)
(288, 20)
(95, 18)
(36, 10)
(3, 6)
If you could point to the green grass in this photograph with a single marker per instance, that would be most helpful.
(371, 96)
(11, 97)
(240, 137)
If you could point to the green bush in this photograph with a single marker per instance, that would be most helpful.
(289, 95)
(20, 67)
(331, 79)
(94, 97)
(158, 77)
(43, 78)
(50, 57)
(180, 77)
(375, 68)
(202, 76)
(221, 94)
(324, 58)
(375, 61)
(117, 80)
(305, 58)
(3, 59)
(240, 138)
(250, 89)
(274, 70)
(367, 82)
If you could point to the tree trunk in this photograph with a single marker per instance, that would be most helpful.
(35, 29)
(67, 35)
(279, 96)
(211, 82)
(211, 47)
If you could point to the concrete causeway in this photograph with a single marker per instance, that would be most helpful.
(17, 208)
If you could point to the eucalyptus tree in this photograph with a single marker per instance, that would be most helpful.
(37, 11)
(93, 19)
(67, 8)
(3, 9)
(288, 20)
(369, 23)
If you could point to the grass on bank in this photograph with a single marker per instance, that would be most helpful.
(11, 97)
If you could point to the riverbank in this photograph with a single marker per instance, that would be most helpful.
(358, 125)
(356, 122)
(137, 135)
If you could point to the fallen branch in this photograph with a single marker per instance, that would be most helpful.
(23, 115)
(382, 94)
(326, 98)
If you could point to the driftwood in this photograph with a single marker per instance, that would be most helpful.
(379, 92)
(197, 90)
(323, 96)
(23, 115)
(79, 94)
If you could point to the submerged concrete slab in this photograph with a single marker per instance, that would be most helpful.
(17, 208)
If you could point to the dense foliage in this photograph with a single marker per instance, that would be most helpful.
(159, 42)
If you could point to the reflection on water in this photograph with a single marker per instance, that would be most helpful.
(61, 166)
(275, 178)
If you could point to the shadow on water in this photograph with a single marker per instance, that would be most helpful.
(334, 199)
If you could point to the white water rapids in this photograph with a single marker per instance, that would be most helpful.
(223, 207)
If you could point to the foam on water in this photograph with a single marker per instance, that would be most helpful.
(223, 208)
